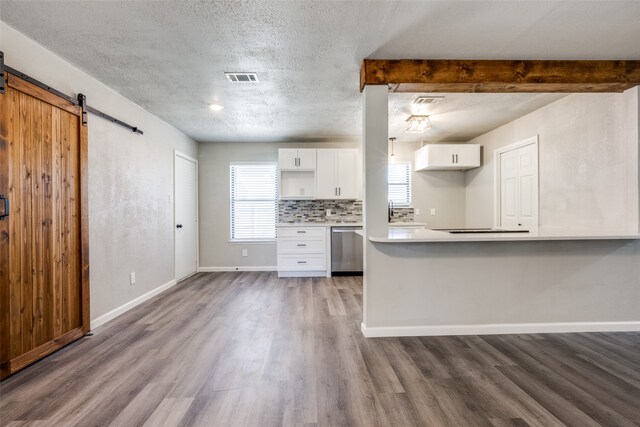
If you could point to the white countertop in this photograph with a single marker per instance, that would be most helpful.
(353, 224)
(319, 224)
(408, 224)
(408, 235)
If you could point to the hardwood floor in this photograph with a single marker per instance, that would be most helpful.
(235, 349)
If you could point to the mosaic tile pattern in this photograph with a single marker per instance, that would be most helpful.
(402, 215)
(299, 211)
(347, 211)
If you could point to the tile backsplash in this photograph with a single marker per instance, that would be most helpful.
(294, 211)
(402, 215)
(298, 211)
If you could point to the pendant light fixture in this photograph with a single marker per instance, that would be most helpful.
(392, 157)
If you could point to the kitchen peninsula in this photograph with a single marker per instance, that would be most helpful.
(580, 271)
(405, 235)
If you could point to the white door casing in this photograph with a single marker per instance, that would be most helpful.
(185, 215)
(516, 185)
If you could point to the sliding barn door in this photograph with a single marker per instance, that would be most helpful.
(44, 252)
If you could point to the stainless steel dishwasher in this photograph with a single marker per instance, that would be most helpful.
(346, 251)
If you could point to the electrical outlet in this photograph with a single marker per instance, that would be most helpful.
(244, 252)
(328, 212)
(433, 211)
(132, 278)
(416, 211)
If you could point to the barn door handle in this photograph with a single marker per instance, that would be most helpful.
(5, 212)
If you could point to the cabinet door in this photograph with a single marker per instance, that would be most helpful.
(326, 187)
(347, 174)
(307, 158)
(287, 158)
(466, 155)
(440, 155)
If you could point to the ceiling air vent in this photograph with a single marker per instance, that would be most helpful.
(428, 99)
(242, 77)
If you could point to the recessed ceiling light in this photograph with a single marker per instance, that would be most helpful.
(216, 107)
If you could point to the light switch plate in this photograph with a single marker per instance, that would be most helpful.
(416, 211)
(132, 278)
(244, 252)
(433, 211)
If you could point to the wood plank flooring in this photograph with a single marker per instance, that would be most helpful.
(250, 349)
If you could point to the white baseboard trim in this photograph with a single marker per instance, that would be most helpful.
(131, 304)
(494, 329)
(241, 268)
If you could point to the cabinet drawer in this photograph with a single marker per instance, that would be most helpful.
(305, 245)
(301, 232)
(302, 262)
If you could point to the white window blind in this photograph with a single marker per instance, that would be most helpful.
(254, 201)
(399, 178)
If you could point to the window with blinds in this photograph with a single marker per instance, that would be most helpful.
(399, 178)
(254, 201)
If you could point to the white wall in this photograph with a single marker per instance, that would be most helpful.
(130, 180)
(442, 190)
(588, 179)
(214, 158)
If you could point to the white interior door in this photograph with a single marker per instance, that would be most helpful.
(509, 189)
(186, 217)
(519, 188)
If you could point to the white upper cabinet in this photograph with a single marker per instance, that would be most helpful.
(326, 174)
(337, 174)
(297, 167)
(297, 159)
(447, 157)
(306, 159)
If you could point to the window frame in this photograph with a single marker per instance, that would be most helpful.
(266, 240)
(408, 184)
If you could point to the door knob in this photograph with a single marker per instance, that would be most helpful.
(179, 226)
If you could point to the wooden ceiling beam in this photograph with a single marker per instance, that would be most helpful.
(500, 76)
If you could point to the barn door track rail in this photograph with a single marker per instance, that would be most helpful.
(80, 101)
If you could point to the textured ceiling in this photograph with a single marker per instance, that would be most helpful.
(169, 57)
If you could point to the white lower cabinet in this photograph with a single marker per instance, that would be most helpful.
(302, 251)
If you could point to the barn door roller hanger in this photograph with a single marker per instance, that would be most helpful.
(81, 100)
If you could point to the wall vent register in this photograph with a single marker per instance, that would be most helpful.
(428, 99)
(242, 77)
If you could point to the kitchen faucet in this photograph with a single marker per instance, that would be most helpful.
(390, 210)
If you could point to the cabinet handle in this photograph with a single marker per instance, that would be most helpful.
(301, 232)
(339, 191)
(302, 244)
(302, 262)
(456, 158)
(453, 158)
